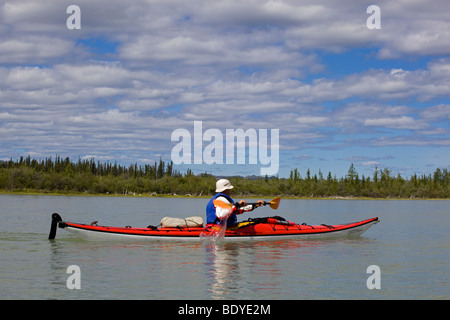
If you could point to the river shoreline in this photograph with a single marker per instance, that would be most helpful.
(236, 196)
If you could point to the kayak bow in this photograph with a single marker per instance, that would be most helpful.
(253, 229)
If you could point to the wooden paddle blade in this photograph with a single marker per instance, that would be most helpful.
(222, 204)
(275, 203)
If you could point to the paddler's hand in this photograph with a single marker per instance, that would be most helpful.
(242, 203)
(260, 203)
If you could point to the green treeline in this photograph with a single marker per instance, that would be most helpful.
(87, 176)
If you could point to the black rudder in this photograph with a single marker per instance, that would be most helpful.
(56, 218)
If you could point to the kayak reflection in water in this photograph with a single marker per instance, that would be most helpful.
(219, 215)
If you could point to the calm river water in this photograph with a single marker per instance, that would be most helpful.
(410, 245)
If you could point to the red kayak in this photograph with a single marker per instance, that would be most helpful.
(252, 229)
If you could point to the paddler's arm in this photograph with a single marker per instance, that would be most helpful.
(242, 206)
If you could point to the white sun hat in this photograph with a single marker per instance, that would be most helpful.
(222, 185)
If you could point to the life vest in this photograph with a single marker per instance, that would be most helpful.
(211, 217)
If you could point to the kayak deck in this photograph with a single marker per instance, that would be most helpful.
(248, 230)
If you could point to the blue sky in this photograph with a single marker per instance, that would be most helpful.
(338, 93)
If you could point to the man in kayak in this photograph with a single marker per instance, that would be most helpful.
(216, 214)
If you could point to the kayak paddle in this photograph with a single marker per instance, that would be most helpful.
(222, 204)
(274, 203)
